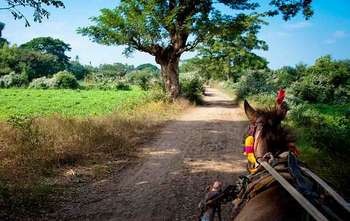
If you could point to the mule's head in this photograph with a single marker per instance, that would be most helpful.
(269, 135)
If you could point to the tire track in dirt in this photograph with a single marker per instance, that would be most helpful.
(201, 146)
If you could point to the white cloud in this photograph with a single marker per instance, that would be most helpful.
(339, 34)
(299, 25)
(282, 34)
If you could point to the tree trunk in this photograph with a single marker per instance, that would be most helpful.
(170, 75)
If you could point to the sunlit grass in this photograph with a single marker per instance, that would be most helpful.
(82, 103)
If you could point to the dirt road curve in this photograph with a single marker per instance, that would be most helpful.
(199, 147)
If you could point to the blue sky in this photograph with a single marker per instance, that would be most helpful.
(327, 32)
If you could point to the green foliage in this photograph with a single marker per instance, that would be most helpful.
(253, 82)
(42, 83)
(66, 80)
(286, 76)
(112, 71)
(144, 25)
(143, 78)
(2, 26)
(3, 41)
(328, 132)
(13, 59)
(148, 67)
(313, 88)
(167, 29)
(318, 97)
(50, 46)
(192, 87)
(13, 6)
(327, 81)
(110, 85)
(74, 103)
(78, 70)
(13, 80)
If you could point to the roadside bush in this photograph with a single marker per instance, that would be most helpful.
(324, 132)
(192, 88)
(313, 88)
(65, 79)
(253, 82)
(285, 76)
(327, 81)
(158, 93)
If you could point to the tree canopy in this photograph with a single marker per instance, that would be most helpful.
(148, 67)
(35, 64)
(2, 40)
(168, 28)
(51, 46)
(14, 6)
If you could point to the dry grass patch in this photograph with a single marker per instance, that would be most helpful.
(33, 151)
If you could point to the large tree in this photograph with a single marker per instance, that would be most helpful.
(168, 28)
(15, 6)
(51, 46)
(2, 40)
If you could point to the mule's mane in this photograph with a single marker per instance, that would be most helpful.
(277, 136)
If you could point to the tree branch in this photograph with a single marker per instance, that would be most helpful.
(152, 49)
(13, 6)
(189, 47)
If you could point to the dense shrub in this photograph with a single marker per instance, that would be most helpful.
(143, 78)
(285, 76)
(13, 80)
(78, 70)
(122, 85)
(325, 132)
(42, 83)
(65, 79)
(327, 81)
(253, 82)
(109, 85)
(313, 88)
(192, 87)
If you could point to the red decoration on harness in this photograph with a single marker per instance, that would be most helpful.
(280, 96)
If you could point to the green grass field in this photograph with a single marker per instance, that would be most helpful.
(33, 102)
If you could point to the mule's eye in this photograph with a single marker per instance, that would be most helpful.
(270, 122)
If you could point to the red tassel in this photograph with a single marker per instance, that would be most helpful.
(280, 96)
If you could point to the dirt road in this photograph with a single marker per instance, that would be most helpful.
(201, 146)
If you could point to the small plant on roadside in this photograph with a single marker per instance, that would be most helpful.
(192, 88)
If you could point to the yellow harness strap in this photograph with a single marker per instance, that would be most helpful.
(249, 152)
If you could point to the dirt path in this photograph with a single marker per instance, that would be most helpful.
(202, 145)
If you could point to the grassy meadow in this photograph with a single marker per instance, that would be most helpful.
(66, 102)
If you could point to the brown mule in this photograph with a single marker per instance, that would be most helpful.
(270, 202)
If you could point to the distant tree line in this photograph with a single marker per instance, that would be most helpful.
(41, 58)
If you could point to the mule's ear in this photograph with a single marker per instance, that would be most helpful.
(249, 111)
